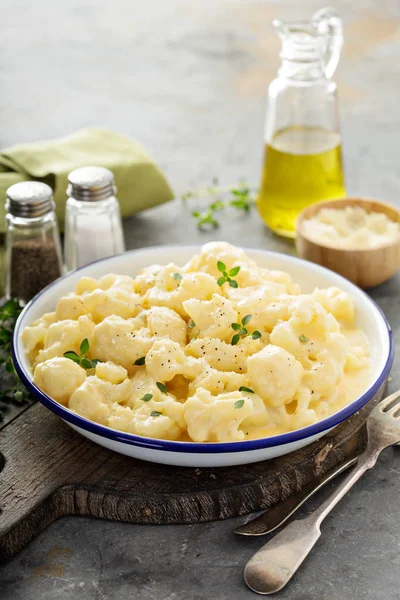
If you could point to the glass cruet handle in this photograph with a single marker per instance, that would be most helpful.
(330, 28)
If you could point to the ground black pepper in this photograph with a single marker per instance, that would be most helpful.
(34, 264)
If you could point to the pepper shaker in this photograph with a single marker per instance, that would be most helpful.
(93, 228)
(33, 249)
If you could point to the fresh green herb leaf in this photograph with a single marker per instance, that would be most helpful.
(146, 397)
(221, 267)
(195, 337)
(234, 271)
(235, 339)
(256, 335)
(161, 387)
(72, 356)
(17, 393)
(235, 326)
(205, 220)
(246, 389)
(10, 367)
(218, 205)
(233, 283)
(140, 361)
(177, 276)
(303, 339)
(86, 363)
(19, 397)
(244, 331)
(238, 404)
(191, 324)
(187, 195)
(84, 347)
(221, 281)
(246, 319)
(155, 413)
(240, 197)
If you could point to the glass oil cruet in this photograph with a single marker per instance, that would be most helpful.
(302, 160)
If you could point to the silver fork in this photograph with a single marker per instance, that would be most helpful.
(275, 563)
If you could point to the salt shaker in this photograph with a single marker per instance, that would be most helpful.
(93, 227)
(33, 250)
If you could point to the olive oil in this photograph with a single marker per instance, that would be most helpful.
(302, 165)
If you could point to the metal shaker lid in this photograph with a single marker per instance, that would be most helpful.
(91, 184)
(29, 199)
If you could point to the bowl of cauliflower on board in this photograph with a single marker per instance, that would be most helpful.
(210, 356)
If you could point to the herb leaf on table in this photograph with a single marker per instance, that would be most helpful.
(17, 392)
(240, 197)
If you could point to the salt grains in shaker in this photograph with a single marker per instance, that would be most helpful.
(33, 251)
(93, 228)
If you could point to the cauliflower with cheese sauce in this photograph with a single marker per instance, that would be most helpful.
(218, 349)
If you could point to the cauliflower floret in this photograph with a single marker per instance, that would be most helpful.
(109, 371)
(85, 285)
(146, 279)
(95, 397)
(162, 420)
(59, 378)
(283, 279)
(306, 311)
(33, 338)
(274, 374)
(101, 304)
(163, 321)
(216, 382)
(116, 339)
(64, 336)
(324, 374)
(192, 285)
(213, 252)
(166, 359)
(337, 302)
(219, 354)
(213, 318)
(46, 320)
(260, 416)
(70, 307)
(143, 386)
(263, 302)
(216, 418)
(112, 281)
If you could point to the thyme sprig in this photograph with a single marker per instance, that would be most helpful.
(242, 331)
(226, 276)
(81, 359)
(240, 197)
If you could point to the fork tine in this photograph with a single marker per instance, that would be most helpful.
(396, 411)
(384, 405)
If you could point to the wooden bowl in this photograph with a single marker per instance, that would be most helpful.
(366, 268)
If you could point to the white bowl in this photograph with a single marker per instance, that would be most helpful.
(369, 318)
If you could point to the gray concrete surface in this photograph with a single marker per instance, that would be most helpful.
(188, 79)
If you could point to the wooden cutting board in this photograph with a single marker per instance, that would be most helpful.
(49, 471)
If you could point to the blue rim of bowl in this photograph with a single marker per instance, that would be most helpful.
(203, 447)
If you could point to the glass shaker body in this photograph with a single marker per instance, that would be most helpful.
(33, 253)
(302, 156)
(93, 227)
(93, 231)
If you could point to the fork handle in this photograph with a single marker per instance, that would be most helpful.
(270, 569)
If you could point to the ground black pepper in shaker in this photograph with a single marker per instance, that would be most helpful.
(33, 251)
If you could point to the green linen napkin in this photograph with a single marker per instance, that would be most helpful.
(139, 181)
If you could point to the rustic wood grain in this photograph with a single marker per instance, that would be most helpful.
(51, 471)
